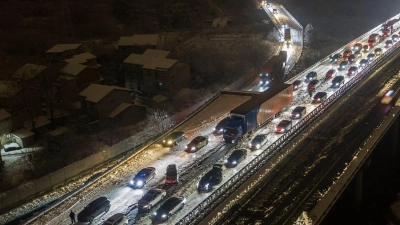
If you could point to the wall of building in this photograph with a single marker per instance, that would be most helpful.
(111, 101)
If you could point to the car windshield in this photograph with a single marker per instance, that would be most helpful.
(148, 197)
(195, 141)
(229, 131)
(257, 139)
(171, 172)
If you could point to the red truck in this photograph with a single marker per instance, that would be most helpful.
(273, 69)
(373, 39)
(389, 27)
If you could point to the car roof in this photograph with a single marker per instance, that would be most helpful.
(297, 81)
(299, 108)
(353, 68)
(338, 78)
(153, 191)
(237, 152)
(97, 201)
(314, 81)
(147, 169)
(320, 94)
(344, 62)
(260, 135)
(331, 70)
(199, 138)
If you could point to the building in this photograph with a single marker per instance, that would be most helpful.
(60, 52)
(98, 101)
(138, 43)
(127, 113)
(6, 122)
(74, 78)
(86, 59)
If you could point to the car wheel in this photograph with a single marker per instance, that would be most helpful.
(106, 209)
(91, 219)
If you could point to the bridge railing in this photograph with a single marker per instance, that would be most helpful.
(221, 193)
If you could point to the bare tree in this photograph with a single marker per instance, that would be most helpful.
(159, 121)
(308, 31)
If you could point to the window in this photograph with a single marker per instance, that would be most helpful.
(157, 74)
(148, 72)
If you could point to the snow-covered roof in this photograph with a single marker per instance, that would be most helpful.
(9, 88)
(120, 108)
(58, 131)
(159, 64)
(4, 114)
(138, 39)
(22, 133)
(73, 69)
(159, 98)
(39, 121)
(59, 48)
(95, 92)
(28, 71)
(80, 58)
(137, 59)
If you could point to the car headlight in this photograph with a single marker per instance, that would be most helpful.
(297, 114)
(267, 82)
(261, 82)
(283, 129)
(193, 148)
(206, 186)
(295, 86)
(226, 161)
(132, 182)
(163, 141)
(250, 145)
(169, 142)
(186, 147)
(197, 185)
(155, 213)
(139, 183)
(222, 130)
(163, 216)
(258, 145)
(234, 162)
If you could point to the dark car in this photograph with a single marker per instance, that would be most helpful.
(378, 51)
(371, 57)
(236, 157)
(336, 58)
(172, 175)
(311, 76)
(337, 82)
(344, 65)
(319, 97)
(357, 47)
(395, 38)
(283, 126)
(143, 177)
(94, 209)
(258, 141)
(173, 139)
(331, 73)
(358, 54)
(347, 53)
(363, 63)
(197, 143)
(219, 129)
(389, 43)
(211, 178)
(351, 59)
(297, 84)
(352, 71)
(168, 208)
(312, 85)
(298, 112)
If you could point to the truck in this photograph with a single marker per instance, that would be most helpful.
(274, 69)
(389, 27)
(257, 111)
(373, 39)
(287, 37)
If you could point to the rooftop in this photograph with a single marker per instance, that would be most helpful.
(96, 92)
(62, 48)
(137, 59)
(39, 121)
(80, 58)
(9, 89)
(22, 133)
(120, 108)
(4, 114)
(73, 69)
(28, 71)
(159, 98)
(159, 64)
(139, 39)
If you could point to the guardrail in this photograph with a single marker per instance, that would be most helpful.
(221, 193)
(292, 18)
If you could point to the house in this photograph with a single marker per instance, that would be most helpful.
(86, 59)
(98, 101)
(60, 52)
(23, 137)
(138, 43)
(39, 124)
(74, 78)
(134, 64)
(126, 113)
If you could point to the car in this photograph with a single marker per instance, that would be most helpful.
(357, 47)
(366, 48)
(236, 157)
(11, 147)
(311, 76)
(352, 70)
(151, 198)
(358, 54)
(274, 11)
(395, 38)
(219, 129)
(172, 175)
(298, 112)
(116, 219)
(363, 63)
(283, 126)
(351, 59)
(378, 51)
(388, 97)
(284, 25)
(311, 86)
(336, 58)
(344, 65)
(143, 177)
(337, 82)
(197, 143)
(389, 43)
(297, 84)
(210, 179)
(168, 208)
(371, 57)
(94, 209)
(319, 97)
(258, 141)
(347, 53)
(173, 139)
(331, 73)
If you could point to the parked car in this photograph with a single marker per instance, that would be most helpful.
(351, 58)
(197, 143)
(297, 84)
(283, 126)
(358, 54)
(236, 157)
(94, 209)
(298, 112)
(337, 82)
(116, 219)
(395, 38)
(210, 179)
(352, 71)
(258, 141)
(319, 97)
(312, 85)
(336, 58)
(378, 51)
(172, 175)
(143, 177)
(151, 198)
(363, 63)
(371, 57)
(366, 48)
(168, 208)
(347, 53)
(331, 73)
(219, 129)
(173, 139)
(389, 43)
(344, 65)
(357, 47)
(11, 147)
(311, 76)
